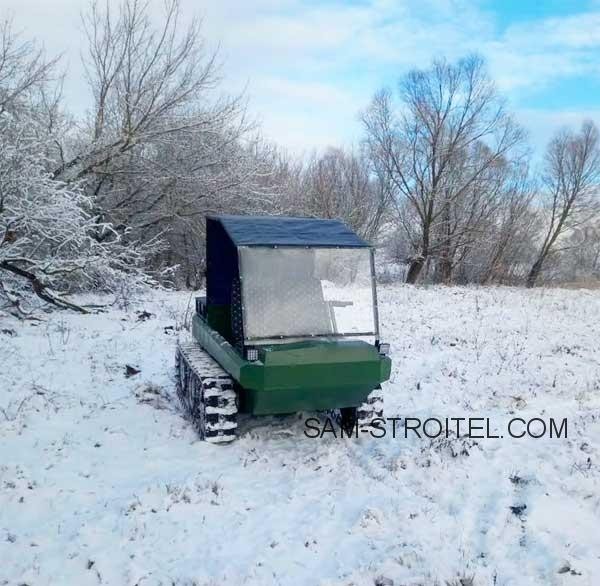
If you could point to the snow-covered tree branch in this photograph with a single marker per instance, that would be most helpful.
(51, 241)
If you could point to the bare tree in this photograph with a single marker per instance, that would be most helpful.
(340, 184)
(161, 148)
(23, 69)
(449, 134)
(181, 182)
(584, 246)
(466, 214)
(578, 258)
(509, 233)
(143, 80)
(571, 183)
(47, 227)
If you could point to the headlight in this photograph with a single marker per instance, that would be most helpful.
(252, 354)
(384, 349)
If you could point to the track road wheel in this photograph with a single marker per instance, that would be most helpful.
(347, 419)
(361, 417)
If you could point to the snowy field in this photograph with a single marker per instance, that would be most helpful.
(103, 482)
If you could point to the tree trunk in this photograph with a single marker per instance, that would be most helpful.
(40, 289)
(443, 270)
(443, 265)
(535, 271)
(414, 269)
(417, 262)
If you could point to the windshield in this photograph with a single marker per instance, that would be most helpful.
(303, 292)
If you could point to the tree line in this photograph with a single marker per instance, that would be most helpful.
(442, 178)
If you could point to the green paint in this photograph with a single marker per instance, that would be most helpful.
(218, 347)
(307, 375)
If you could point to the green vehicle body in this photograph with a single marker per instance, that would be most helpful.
(306, 375)
(290, 374)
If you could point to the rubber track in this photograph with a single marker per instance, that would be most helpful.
(371, 409)
(206, 393)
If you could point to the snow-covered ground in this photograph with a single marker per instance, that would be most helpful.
(103, 482)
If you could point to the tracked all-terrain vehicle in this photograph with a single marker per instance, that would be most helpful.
(289, 323)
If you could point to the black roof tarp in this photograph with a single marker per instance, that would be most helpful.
(285, 231)
(224, 233)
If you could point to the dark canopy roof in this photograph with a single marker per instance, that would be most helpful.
(285, 231)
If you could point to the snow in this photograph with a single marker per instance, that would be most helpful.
(103, 482)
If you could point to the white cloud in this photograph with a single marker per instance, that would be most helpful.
(580, 31)
(307, 115)
(311, 66)
(542, 124)
(334, 55)
(313, 93)
(537, 53)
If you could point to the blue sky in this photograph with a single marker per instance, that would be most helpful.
(310, 66)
